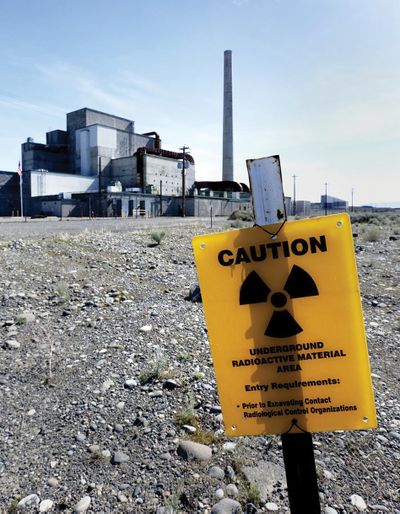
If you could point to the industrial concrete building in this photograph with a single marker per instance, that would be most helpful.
(331, 203)
(302, 208)
(96, 144)
(101, 153)
(99, 166)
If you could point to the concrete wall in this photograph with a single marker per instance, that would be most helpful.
(109, 120)
(97, 141)
(303, 208)
(39, 156)
(86, 117)
(44, 184)
(63, 208)
(124, 170)
(162, 168)
(201, 206)
(57, 137)
(124, 205)
(91, 143)
(134, 205)
(9, 194)
(128, 143)
(50, 207)
(112, 205)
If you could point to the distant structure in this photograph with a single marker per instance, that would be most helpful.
(227, 144)
(331, 203)
(303, 208)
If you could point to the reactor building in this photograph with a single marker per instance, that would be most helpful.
(101, 153)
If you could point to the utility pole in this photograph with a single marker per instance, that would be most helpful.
(294, 196)
(326, 198)
(99, 205)
(184, 148)
(161, 213)
(19, 171)
(352, 199)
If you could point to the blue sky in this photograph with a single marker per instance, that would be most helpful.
(315, 81)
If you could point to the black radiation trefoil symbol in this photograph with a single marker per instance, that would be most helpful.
(298, 285)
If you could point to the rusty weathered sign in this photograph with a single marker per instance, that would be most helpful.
(267, 190)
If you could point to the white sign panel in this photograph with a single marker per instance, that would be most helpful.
(267, 190)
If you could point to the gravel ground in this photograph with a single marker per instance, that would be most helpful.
(107, 391)
(12, 227)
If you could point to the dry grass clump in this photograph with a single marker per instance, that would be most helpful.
(187, 415)
(241, 215)
(155, 370)
(205, 437)
(372, 234)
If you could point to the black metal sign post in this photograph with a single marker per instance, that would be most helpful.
(298, 453)
(301, 475)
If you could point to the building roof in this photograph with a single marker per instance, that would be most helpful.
(99, 112)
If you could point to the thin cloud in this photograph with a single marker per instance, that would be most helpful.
(126, 89)
(80, 81)
(15, 103)
(131, 79)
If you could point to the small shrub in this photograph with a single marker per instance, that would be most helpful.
(372, 234)
(251, 494)
(158, 368)
(198, 375)
(184, 357)
(13, 507)
(205, 437)
(238, 465)
(174, 500)
(62, 292)
(241, 215)
(157, 236)
(187, 415)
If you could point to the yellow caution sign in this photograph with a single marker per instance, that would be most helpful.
(286, 328)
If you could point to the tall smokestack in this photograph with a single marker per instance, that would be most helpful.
(227, 145)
